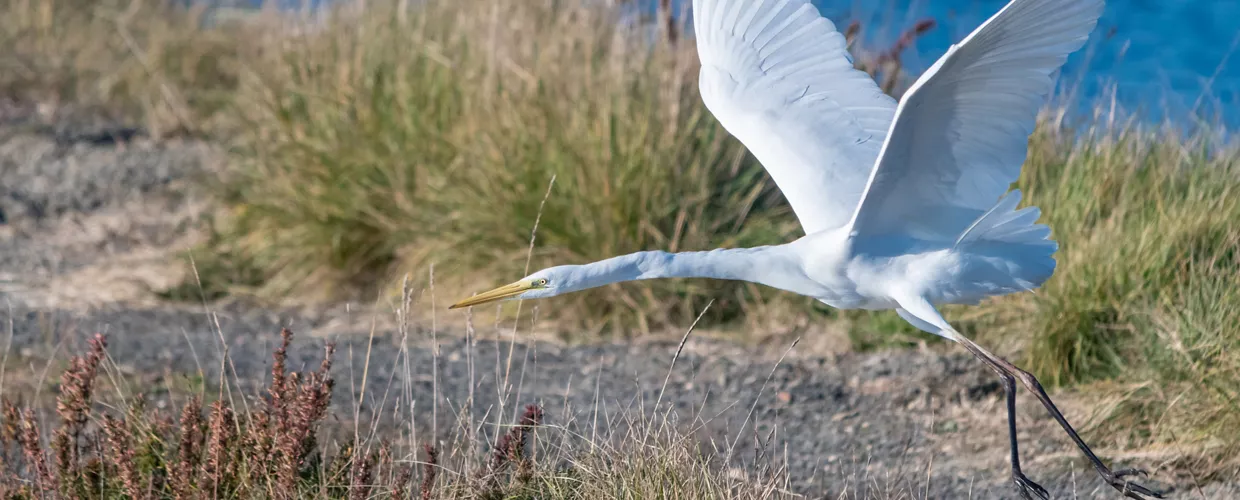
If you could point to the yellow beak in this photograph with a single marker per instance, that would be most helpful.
(503, 292)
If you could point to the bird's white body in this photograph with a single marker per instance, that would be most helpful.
(902, 203)
(905, 205)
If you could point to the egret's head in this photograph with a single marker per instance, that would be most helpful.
(546, 283)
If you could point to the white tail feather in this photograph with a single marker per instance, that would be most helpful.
(1004, 223)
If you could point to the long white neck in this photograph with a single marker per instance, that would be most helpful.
(773, 266)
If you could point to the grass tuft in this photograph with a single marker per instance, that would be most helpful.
(418, 143)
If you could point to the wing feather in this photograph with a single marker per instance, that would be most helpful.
(961, 132)
(778, 76)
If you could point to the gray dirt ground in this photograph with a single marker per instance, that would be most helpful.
(90, 224)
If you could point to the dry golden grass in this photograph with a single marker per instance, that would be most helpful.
(142, 61)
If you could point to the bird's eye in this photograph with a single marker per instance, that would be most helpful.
(542, 282)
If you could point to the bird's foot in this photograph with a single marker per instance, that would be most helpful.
(1029, 489)
(1130, 489)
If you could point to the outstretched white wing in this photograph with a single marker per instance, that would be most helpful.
(961, 132)
(778, 76)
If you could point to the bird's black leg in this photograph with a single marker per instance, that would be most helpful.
(1114, 478)
(1024, 485)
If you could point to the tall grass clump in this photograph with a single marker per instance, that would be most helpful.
(390, 139)
(1143, 304)
(384, 139)
(1137, 214)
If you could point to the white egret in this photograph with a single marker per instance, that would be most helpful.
(904, 205)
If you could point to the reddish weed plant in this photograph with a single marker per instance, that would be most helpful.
(271, 451)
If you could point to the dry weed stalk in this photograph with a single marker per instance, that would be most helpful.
(360, 474)
(888, 62)
(530, 420)
(258, 442)
(510, 449)
(219, 464)
(189, 451)
(278, 370)
(400, 487)
(295, 409)
(32, 447)
(385, 465)
(275, 413)
(121, 441)
(12, 420)
(429, 469)
(277, 438)
(73, 405)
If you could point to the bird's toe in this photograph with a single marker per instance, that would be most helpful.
(1029, 489)
(1131, 489)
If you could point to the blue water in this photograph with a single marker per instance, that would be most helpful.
(1155, 59)
(1173, 59)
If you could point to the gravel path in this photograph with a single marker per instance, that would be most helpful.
(83, 217)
